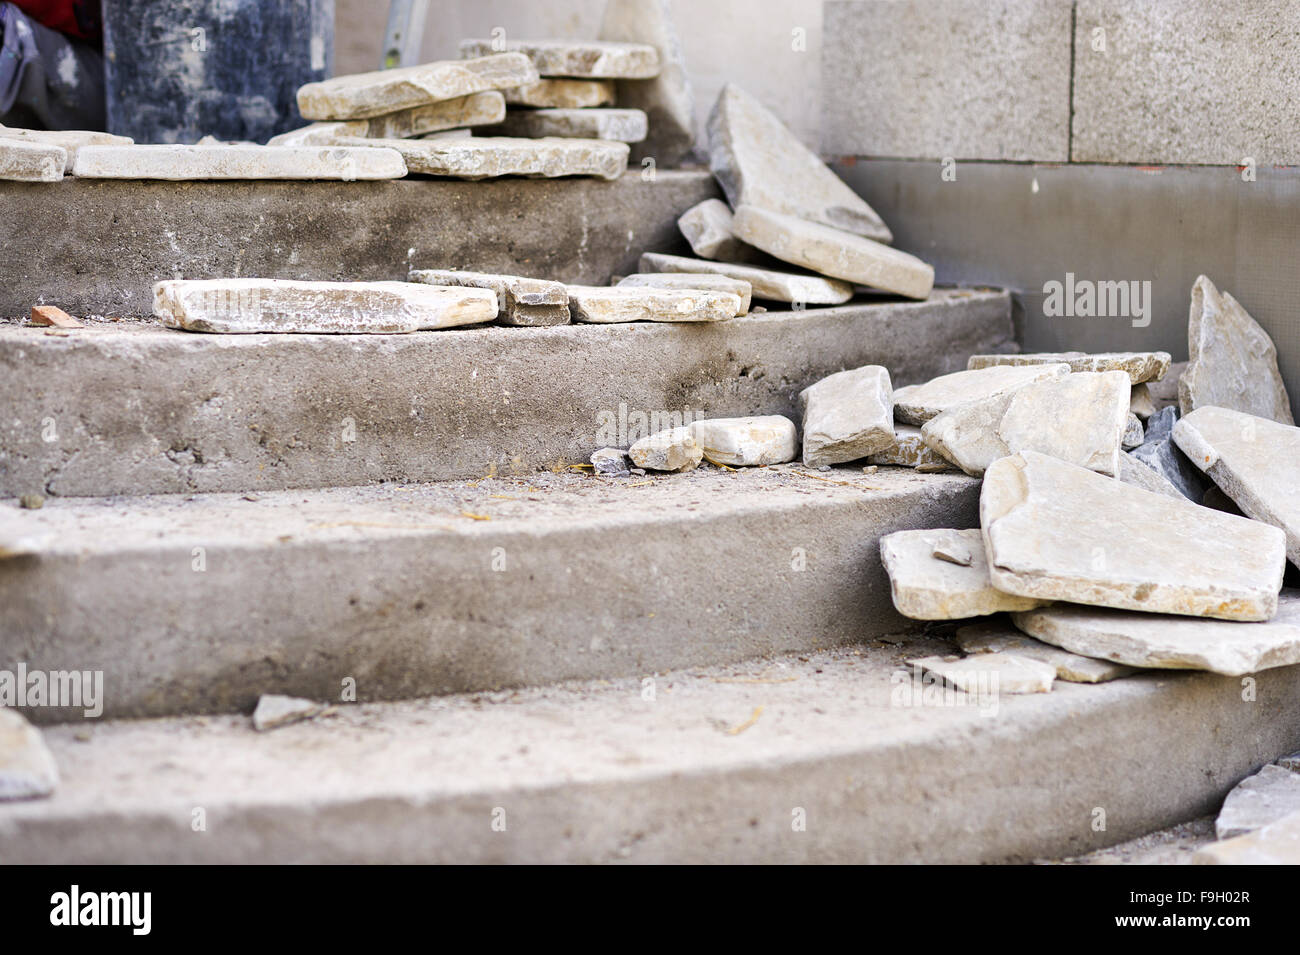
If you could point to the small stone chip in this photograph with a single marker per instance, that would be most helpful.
(32, 502)
(53, 315)
(274, 710)
(673, 450)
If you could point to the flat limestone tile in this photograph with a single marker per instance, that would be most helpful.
(1045, 537)
(239, 162)
(31, 162)
(747, 442)
(363, 95)
(708, 228)
(847, 416)
(487, 157)
(612, 305)
(698, 280)
(999, 637)
(917, 404)
(1140, 366)
(477, 109)
(520, 301)
(244, 306)
(991, 673)
(69, 140)
(773, 286)
(580, 59)
(552, 93)
(925, 587)
(616, 125)
(1080, 418)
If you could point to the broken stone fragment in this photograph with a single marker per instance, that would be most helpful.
(773, 286)
(847, 415)
(580, 59)
(1163, 641)
(274, 711)
(1141, 403)
(707, 227)
(612, 305)
(917, 404)
(27, 768)
(610, 461)
(833, 252)
(520, 301)
(1255, 461)
(1140, 366)
(967, 434)
(998, 637)
(667, 99)
(1159, 452)
(925, 587)
(1233, 362)
(239, 162)
(616, 125)
(363, 95)
(563, 94)
(241, 306)
(673, 450)
(746, 442)
(682, 280)
(69, 140)
(486, 157)
(477, 109)
(1134, 433)
(53, 316)
(1275, 844)
(1139, 474)
(1080, 418)
(955, 550)
(759, 162)
(991, 673)
(1044, 539)
(31, 162)
(909, 450)
(1257, 801)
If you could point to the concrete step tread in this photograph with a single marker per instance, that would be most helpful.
(713, 766)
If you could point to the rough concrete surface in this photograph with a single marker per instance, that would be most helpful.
(716, 766)
(202, 603)
(124, 408)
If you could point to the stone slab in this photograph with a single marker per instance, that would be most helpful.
(616, 125)
(966, 435)
(991, 674)
(847, 416)
(766, 284)
(833, 252)
(925, 587)
(488, 157)
(917, 404)
(1003, 93)
(1151, 553)
(31, 162)
(1000, 637)
(623, 303)
(1257, 801)
(578, 59)
(1275, 844)
(558, 93)
(747, 442)
(708, 228)
(363, 95)
(347, 163)
(1080, 418)
(1140, 366)
(249, 306)
(1255, 461)
(69, 140)
(696, 280)
(520, 301)
(760, 163)
(477, 109)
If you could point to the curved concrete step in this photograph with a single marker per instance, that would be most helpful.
(710, 765)
(200, 604)
(140, 409)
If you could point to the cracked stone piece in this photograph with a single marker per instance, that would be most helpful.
(759, 162)
(847, 415)
(274, 711)
(69, 140)
(1141, 404)
(917, 404)
(673, 450)
(563, 94)
(1159, 452)
(239, 162)
(610, 461)
(773, 286)
(1141, 366)
(579, 59)
(1255, 461)
(520, 301)
(617, 125)
(53, 316)
(363, 95)
(707, 227)
(1169, 642)
(1233, 362)
(1044, 538)
(668, 99)
(998, 637)
(31, 162)
(925, 587)
(241, 306)
(909, 450)
(1080, 418)
(1139, 474)
(486, 157)
(1134, 433)
(1275, 844)
(682, 280)
(833, 252)
(623, 303)
(991, 673)
(746, 442)
(1257, 801)
(967, 434)
(27, 768)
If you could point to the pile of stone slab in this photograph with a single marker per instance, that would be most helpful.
(1110, 556)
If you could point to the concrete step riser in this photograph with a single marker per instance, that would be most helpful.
(646, 584)
(135, 410)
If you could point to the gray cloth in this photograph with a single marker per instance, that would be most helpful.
(47, 79)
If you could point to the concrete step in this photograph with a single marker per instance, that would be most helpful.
(708, 765)
(199, 604)
(128, 408)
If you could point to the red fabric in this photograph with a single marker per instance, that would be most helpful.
(79, 18)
